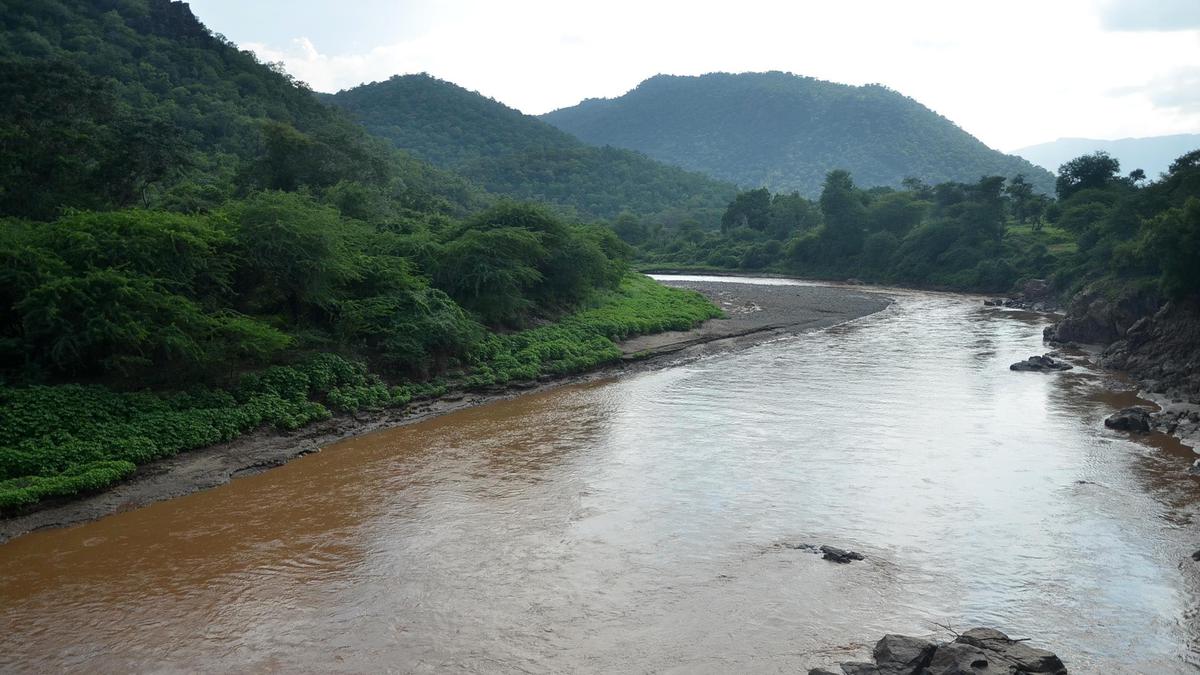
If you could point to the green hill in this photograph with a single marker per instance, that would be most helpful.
(193, 246)
(785, 132)
(513, 154)
(113, 103)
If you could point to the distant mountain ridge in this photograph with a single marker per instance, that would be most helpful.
(1152, 154)
(510, 153)
(784, 132)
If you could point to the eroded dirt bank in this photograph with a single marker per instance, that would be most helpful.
(755, 313)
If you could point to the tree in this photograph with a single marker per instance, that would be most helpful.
(896, 212)
(1086, 171)
(748, 209)
(791, 214)
(1020, 193)
(844, 214)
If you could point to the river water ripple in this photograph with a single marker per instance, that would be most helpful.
(636, 525)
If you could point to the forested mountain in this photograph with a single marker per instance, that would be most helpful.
(513, 154)
(110, 103)
(192, 246)
(785, 132)
(1153, 154)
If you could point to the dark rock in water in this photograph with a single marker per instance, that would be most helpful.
(1014, 655)
(957, 658)
(978, 651)
(1040, 364)
(1196, 556)
(1137, 420)
(994, 302)
(839, 555)
(902, 654)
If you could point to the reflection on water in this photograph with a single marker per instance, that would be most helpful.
(630, 525)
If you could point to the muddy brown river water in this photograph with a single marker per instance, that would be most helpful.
(634, 525)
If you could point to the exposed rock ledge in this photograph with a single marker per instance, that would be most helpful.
(979, 650)
(1157, 342)
(1154, 341)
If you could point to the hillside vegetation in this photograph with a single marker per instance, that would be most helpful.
(192, 246)
(987, 235)
(513, 154)
(785, 132)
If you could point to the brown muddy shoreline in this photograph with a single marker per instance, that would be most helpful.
(755, 314)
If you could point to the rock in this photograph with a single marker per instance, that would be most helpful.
(1016, 655)
(858, 668)
(1040, 364)
(1194, 469)
(979, 651)
(957, 658)
(1137, 420)
(1196, 555)
(1035, 289)
(839, 555)
(994, 302)
(902, 654)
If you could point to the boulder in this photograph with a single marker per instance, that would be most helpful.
(1137, 420)
(979, 651)
(957, 658)
(826, 671)
(1015, 655)
(1196, 555)
(1040, 364)
(839, 555)
(902, 654)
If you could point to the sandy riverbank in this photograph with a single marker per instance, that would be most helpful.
(755, 313)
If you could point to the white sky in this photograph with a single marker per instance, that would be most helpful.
(1012, 73)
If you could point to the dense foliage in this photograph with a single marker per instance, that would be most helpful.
(985, 235)
(520, 156)
(113, 103)
(58, 441)
(193, 246)
(785, 132)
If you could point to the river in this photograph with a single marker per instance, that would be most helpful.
(638, 524)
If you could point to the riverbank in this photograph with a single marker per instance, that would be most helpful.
(755, 313)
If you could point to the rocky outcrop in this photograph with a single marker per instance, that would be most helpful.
(1156, 342)
(1099, 315)
(977, 651)
(1137, 420)
(1040, 364)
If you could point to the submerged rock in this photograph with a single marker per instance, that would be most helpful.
(1040, 364)
(839, 555)
(1196, 555)
(1137, 420)
(979, 650)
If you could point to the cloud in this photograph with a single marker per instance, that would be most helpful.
(1177, 90)
(1150, 15)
